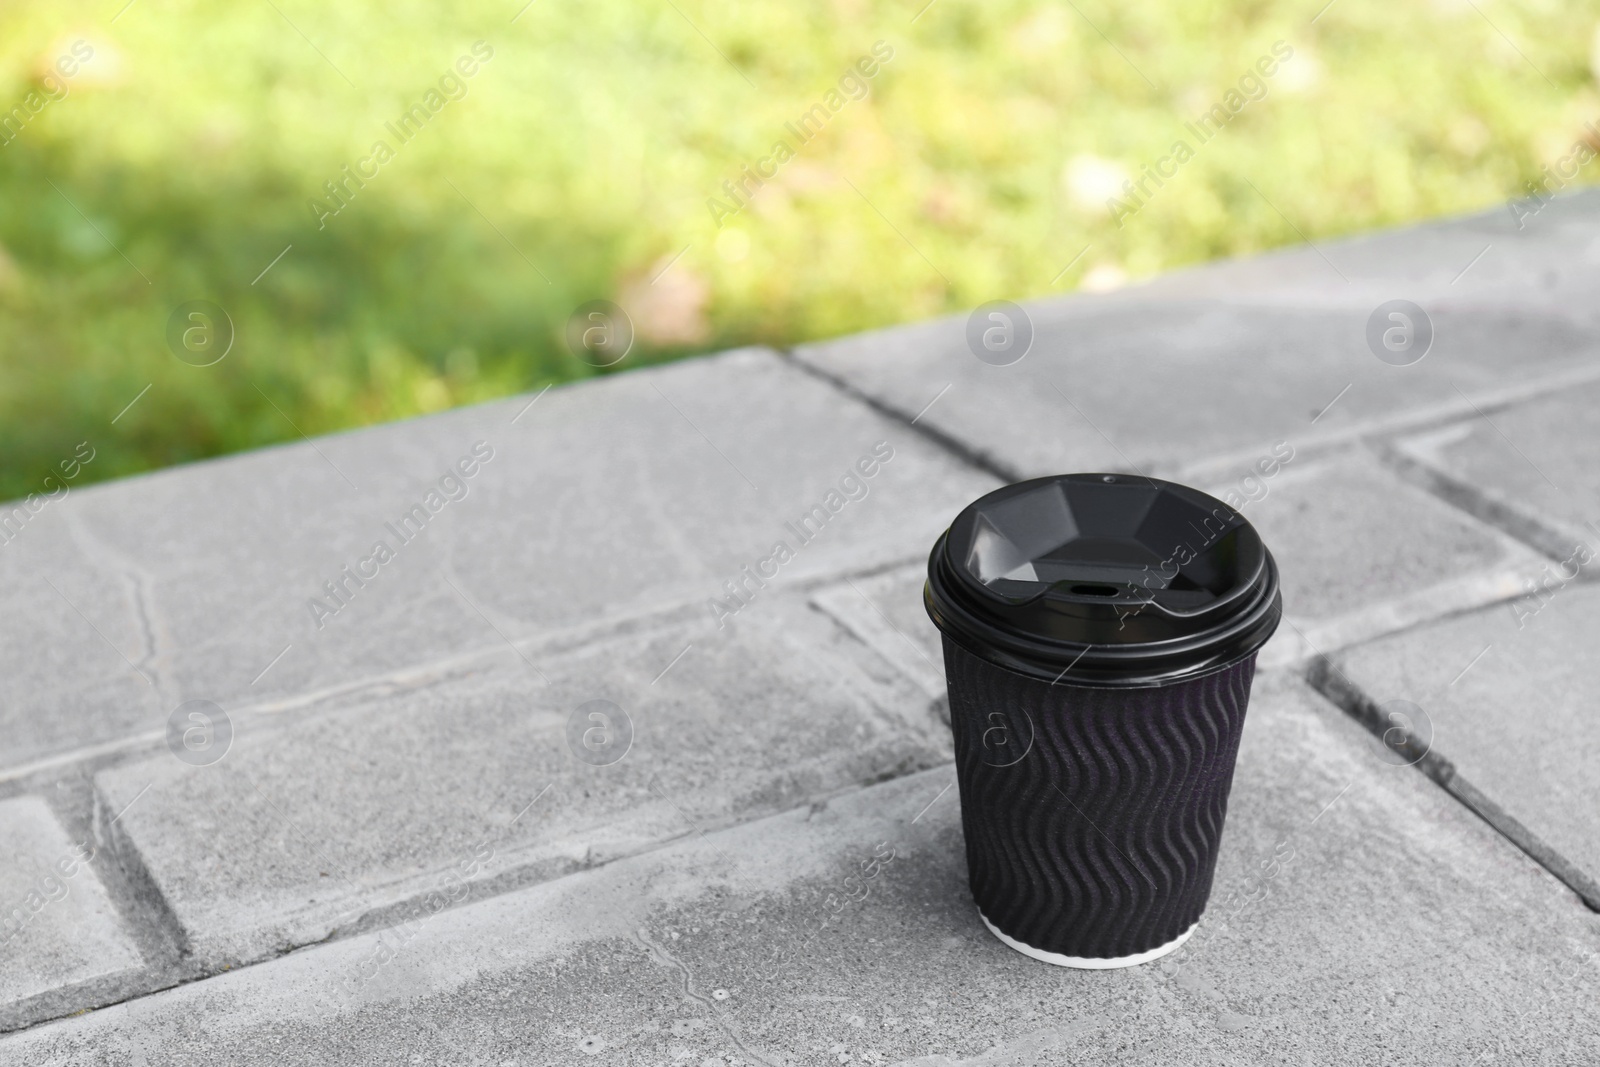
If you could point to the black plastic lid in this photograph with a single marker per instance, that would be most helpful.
(1103, 580)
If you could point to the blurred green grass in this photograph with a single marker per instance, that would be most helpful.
(580, 161)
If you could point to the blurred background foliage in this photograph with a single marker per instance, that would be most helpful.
(184, 154)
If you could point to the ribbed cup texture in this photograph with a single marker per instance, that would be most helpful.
(1093, 816)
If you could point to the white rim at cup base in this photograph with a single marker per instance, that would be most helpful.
(1089, 963)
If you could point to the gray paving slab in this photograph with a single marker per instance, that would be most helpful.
(1510, 693)
(1549, 264)
(885, 612)
(77, 664)
(61, 939)
(471, 782)
(601, 502)
(1358, 914)
(1533, 467)
(1360, 552)
(1175, 387)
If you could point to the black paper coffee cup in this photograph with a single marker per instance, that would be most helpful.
(1100, 637)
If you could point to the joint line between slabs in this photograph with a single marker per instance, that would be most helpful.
(733, 868)
(889, 624)
(1504, 438)
(469, 602)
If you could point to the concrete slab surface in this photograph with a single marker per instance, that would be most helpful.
(84, 667)
(1546, 262)
(206, 575)
(60, 934)
(1362, 553)
(363, 811)
(885, 612)
(1135, 384)
(1509, 693)
(1359, 913)
(1533, 468)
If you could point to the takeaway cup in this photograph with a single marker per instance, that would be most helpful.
(1100, 637)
